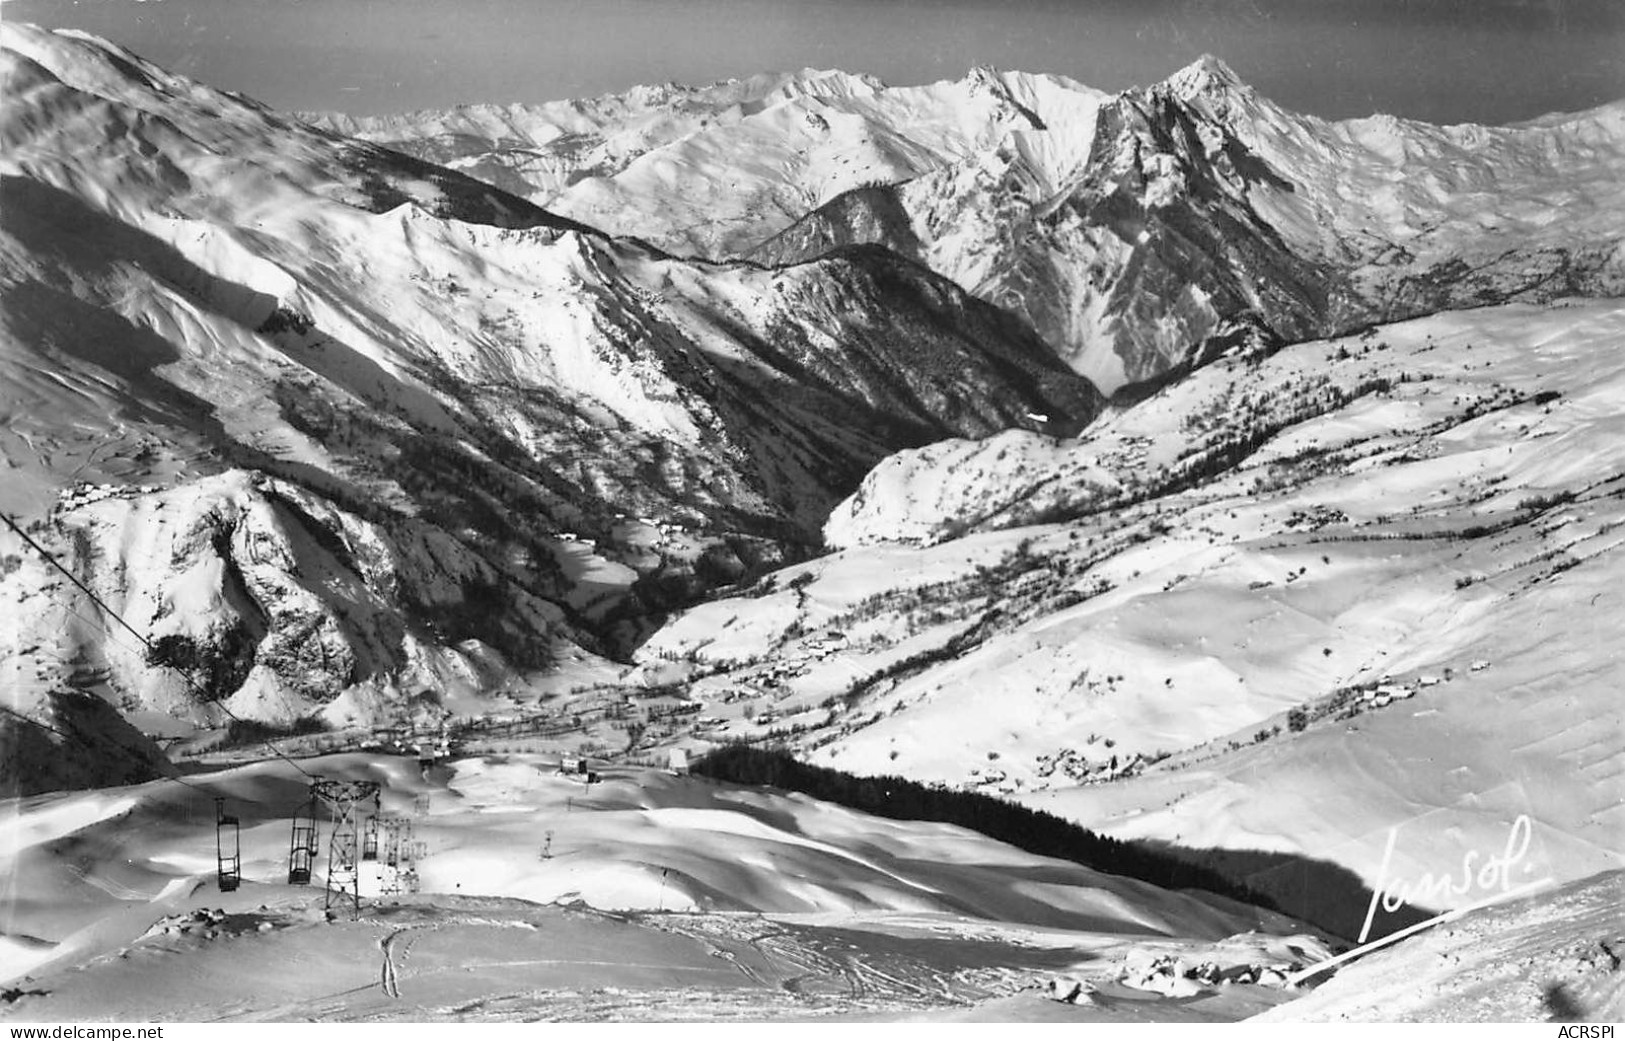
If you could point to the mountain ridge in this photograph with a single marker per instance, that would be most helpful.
(1024, 201)
(556, 432)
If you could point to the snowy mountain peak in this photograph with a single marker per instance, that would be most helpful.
(985, 77)
(823, 83)
(1206, 75)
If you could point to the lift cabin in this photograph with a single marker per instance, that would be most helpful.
(228, 850)
(302, 845)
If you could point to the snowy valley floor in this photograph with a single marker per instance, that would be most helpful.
(643, 897)
(465, 959)
(665, 898)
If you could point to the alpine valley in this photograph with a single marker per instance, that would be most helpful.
(1245, 488)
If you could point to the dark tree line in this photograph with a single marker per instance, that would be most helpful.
(1032, 830)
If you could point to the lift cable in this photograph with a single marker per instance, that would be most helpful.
(99, 602)
(66, 736)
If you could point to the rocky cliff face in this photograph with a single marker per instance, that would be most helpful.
(257, 594)
(1200, 215)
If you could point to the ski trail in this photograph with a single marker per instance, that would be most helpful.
(388, 979)
(108, 886)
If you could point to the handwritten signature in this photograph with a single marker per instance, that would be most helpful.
(1495, 873)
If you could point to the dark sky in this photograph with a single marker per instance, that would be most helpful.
(1441, 60)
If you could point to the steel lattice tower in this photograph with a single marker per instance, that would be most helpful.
(397, 863)
(343, 848)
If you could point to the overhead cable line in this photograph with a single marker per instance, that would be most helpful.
(151, 647)
(108, 740)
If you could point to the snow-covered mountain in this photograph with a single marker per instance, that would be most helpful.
(329, 434)
(712, 171)
(459, 428)
(772, 412)
(1286, 604)
(1137, 232)
(1198, 213)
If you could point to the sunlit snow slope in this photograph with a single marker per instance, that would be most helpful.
(1116, 627)
(705, 900)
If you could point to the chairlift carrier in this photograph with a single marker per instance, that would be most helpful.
(228, 850)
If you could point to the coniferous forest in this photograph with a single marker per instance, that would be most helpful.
(1031, 830)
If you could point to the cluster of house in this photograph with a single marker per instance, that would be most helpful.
(774, 675)
(770, 679)
(793, 664)
(430, 745)
(1387, 692)
(825, 644)
(668, 531)
(1134, 451)
(85, 494)
(738, 692)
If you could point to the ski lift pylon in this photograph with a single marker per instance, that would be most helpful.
(343, 860)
